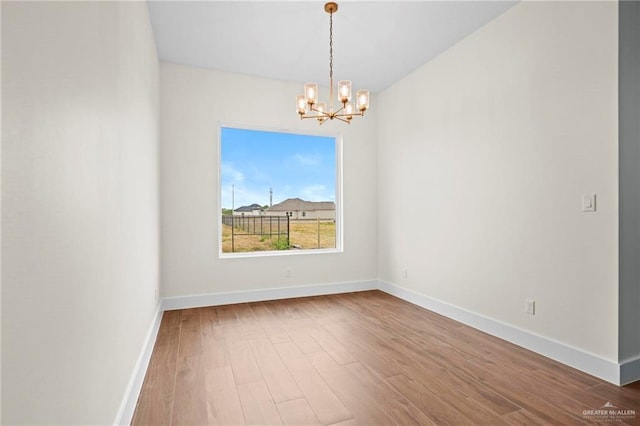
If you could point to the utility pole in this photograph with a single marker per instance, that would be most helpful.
(270, 197)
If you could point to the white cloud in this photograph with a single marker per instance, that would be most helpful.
(246, 196)
(239, 195)
(257, 174)
(316, 193)
(229, 172)
(308, 160)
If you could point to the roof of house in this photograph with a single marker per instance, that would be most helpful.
(296, 204)
(250, 208)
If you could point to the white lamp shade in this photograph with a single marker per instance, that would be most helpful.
(362, 100)
(311, 93)
(348, 109)
(301, 104)
(344, 90)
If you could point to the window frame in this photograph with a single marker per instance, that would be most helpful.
(339, 219)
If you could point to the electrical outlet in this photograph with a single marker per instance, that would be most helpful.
(288, 273)
(405, 273)
(530, 306)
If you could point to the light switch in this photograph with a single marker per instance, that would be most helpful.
(589, 203)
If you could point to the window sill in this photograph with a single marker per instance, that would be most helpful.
(276, 253)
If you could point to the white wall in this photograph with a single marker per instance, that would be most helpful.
(629, 90)
(79, 206)
(483, 156)
(193, 103)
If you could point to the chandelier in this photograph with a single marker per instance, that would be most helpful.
(308, 106)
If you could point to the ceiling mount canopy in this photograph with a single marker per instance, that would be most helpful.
(331, 7)
(307, 104)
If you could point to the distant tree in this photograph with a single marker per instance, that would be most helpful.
(228, 212)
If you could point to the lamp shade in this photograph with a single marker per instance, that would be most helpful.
(311, 93)
(362, 100)
(344, 90)
(301, 104)
(348, 109)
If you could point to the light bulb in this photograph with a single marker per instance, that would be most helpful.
(362, 100)
(301, 104)
(344, 90)
(321, 110)
(348, 109)
(311, 93)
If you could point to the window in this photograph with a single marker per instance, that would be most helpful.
(279, 192)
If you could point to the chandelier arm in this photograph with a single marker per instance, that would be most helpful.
(324, 113)
(321, 119)
(322, 116)
(355, 114)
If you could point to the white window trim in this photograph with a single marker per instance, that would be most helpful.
(338, 193)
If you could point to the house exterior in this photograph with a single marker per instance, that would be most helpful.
(251, 210)
(297, 208)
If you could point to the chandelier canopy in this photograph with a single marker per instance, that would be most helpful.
(307, 104)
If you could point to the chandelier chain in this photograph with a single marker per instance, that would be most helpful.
(331, 60)
(331, 45)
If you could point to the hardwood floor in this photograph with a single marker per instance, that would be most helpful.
(357, 359)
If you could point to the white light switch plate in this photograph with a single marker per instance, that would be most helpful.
(589, 203)
(530, 306)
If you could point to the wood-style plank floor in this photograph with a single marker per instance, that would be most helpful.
(357, 359)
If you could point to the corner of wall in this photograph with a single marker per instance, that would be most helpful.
(132, 392)
(629, 199)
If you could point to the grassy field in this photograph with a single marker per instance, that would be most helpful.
(304, 235)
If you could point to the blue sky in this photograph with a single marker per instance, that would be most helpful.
(293, 165)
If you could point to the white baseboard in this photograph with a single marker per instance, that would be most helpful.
(217, 299)
(630, 370)
(576, 358)
(618, 374)
(128, 405)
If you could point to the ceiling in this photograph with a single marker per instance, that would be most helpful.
(375, 43)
